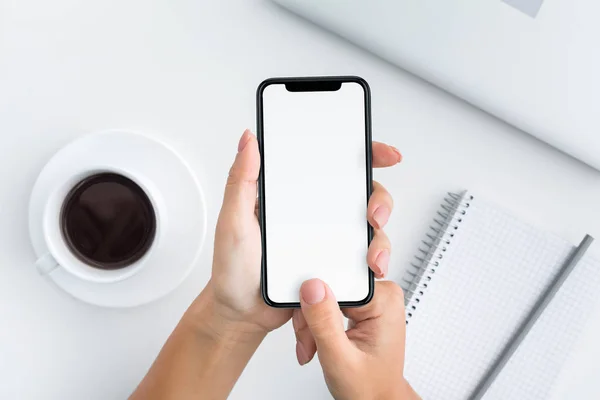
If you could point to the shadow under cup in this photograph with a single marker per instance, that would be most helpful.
(107, 221)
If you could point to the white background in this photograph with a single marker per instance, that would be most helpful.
(315, 191)
(186, 71)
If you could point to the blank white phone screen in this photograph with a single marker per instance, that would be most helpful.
(315, 177)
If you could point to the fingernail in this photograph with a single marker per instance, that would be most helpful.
(382, 261)
(244, 140)
(397, 153)
(381, 216)
(312, 291)
(301, 354)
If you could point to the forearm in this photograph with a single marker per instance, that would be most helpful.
(203, 357)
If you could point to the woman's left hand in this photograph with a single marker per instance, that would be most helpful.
(235, 282)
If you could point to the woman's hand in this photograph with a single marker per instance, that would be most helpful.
(367, 360)
(225, 324)
(235, 281)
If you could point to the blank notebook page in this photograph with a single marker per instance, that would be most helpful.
(474, 287)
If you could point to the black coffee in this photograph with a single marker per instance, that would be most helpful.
(108, 221)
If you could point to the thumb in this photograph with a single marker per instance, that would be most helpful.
(323, 317)
(240, 193)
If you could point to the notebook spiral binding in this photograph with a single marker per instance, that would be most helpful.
(440, 236)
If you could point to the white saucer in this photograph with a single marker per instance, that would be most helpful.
(183, 199)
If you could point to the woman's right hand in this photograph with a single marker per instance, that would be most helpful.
(367, 360)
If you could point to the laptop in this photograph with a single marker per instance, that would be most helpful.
(532, 63)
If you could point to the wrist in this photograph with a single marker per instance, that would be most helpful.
(203, 357)
(209, 319)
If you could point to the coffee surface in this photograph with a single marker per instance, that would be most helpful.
(108, 221)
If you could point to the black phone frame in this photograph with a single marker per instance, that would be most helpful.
(317, 83)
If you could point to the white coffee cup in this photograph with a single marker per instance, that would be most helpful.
(59, 255)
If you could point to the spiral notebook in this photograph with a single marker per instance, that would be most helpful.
(477, 275)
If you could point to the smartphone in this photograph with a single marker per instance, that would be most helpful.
(315, 181)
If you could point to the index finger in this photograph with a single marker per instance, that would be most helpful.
(385, 155)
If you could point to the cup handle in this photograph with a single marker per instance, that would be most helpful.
(46, 264)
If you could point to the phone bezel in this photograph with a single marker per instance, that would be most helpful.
(318, 83)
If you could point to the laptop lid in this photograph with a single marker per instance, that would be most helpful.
(533, 63)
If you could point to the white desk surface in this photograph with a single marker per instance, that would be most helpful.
(186, 71)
